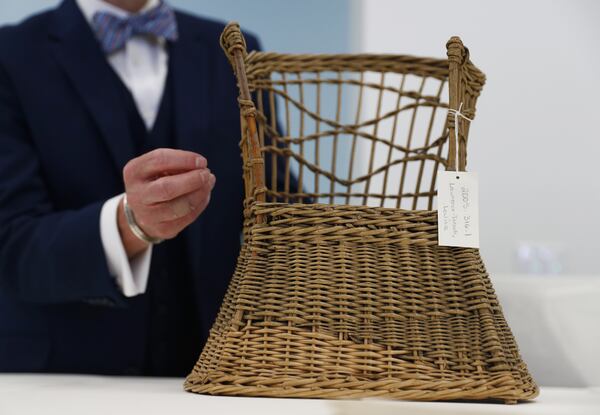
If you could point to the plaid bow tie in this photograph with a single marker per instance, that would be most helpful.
(113, 32)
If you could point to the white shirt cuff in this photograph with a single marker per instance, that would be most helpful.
(131, 276)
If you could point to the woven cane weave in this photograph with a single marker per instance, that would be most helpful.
(341, 289)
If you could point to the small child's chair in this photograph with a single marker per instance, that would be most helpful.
(341, 289)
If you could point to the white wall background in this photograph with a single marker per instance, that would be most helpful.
(536, 140)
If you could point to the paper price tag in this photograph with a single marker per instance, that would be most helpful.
(458, 209)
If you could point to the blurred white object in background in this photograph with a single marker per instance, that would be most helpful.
(556, 323)
(543, 258)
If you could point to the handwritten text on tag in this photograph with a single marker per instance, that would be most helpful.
(458, 209)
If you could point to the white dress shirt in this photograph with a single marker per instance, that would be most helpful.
(142, 66)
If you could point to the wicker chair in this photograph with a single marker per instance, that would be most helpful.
(341, 289)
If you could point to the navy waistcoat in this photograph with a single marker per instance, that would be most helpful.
(173, 329)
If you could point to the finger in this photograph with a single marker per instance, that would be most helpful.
(182, 207)
(171, 187)
(166, 160)
(189, 205)
(170, 229)
(175, 209)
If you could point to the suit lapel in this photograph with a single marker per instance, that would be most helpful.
(190, 62)
(190, 66)
(78, 52)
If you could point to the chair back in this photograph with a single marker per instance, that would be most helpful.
(354, 129)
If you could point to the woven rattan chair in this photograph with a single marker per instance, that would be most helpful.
(341, 289)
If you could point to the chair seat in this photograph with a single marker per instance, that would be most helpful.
(353, 301)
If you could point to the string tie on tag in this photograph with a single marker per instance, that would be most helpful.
(457, 113)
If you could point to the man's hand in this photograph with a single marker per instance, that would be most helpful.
(167, 190)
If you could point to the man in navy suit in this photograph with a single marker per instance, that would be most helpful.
(98, 100)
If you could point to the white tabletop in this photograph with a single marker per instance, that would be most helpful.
(91, 395)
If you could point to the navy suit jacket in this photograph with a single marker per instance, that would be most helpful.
(63, 144)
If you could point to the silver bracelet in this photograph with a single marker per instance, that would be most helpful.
(135, 228)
